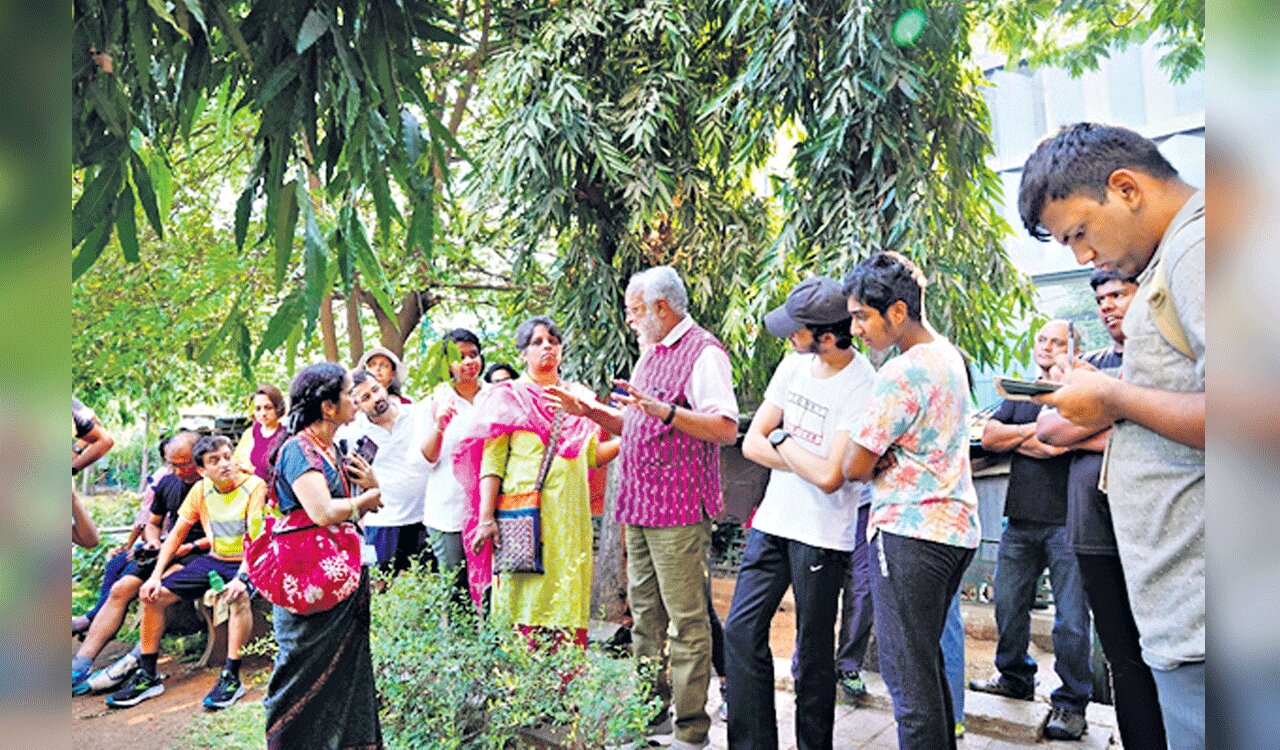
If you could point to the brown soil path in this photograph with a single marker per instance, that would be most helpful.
(159, 723)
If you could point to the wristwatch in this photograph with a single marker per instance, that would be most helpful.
(777, 436)
(243, 577)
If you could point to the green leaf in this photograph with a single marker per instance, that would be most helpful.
(219, 337)
(102, 92)
(281, 76)
(159, 6)
(282, 323)
(411, 136)
(198, 12)
(244, 205)
(286, 221)
(127, 226)
(162, 181)
(91, 210)
(441, 133)
(93, 246)
(313, 27)
(146, 195)
(374, 279)
(316, 273)
(244, 351)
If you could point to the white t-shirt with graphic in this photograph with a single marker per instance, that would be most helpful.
(814, 410)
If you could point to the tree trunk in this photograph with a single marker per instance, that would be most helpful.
(609, 581)
(146, 449)
(355, 336)
(328, 333)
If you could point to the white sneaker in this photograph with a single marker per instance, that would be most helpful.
(113, 675)
(682, 745)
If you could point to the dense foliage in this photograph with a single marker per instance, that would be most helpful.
(268, 171)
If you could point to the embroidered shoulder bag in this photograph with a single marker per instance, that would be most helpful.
(519, 517)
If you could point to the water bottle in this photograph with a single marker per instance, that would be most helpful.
(216, 583)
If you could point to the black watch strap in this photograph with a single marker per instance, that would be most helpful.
(671, 415)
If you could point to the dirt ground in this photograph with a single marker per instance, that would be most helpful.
(157, 724)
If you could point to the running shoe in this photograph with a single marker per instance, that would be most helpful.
(114, 675)
(225, 692)
(140, 687)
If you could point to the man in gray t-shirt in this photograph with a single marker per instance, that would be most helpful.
(1108, 194)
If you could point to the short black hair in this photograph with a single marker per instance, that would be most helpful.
(1101, 276)
(525, 332)
(1080, 159)
(208, 444)
(885, 278)
(840, 330)
(463, 336)
(359, 376)
(488, 376)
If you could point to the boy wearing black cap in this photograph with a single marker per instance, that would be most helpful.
(803, 532)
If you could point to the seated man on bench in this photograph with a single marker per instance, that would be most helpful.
(224, 503)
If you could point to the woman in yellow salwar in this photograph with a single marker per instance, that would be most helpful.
(503, 453)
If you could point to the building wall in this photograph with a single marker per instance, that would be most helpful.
(1129, 89)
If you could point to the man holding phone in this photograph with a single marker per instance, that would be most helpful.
(383, 433)
(1112, 197)
(1036, 536)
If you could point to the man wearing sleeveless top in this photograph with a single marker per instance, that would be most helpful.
(679, 408)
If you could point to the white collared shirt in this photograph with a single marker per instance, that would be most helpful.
(401, 477)
(711, 384)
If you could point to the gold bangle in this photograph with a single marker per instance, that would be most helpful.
(355, 512)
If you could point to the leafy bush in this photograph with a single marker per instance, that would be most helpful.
(87, 564)
(446, 679)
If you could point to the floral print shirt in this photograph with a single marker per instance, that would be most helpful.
(918, 412)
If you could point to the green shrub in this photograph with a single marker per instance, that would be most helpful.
(87, 564)
(448, 680)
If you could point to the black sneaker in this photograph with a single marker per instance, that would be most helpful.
(1064, 725)
(998, 685)
(225, 692)
(140, 687)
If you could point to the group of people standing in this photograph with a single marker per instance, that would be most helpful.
(865, 464)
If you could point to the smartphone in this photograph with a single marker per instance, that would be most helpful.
(366, 449)
(1022, 390)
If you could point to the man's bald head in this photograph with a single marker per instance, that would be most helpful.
(1051, 341)
(180, 458)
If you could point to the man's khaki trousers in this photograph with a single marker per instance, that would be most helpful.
(667, 578)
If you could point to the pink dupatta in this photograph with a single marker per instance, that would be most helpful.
(511, 406)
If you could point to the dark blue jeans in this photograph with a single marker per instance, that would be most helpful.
(912, 585)
(856, 616)
(770, 565)
(110, 574)
(1026, 548)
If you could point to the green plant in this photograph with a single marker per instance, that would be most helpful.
(241, 726)
(446, 679)
(87, 564)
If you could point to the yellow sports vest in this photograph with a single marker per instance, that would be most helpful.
(226, 517)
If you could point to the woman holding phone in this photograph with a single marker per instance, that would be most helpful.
(322, 692)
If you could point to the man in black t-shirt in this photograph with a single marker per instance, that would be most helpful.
(1036, 537)
(169, 494)
(1094, 541)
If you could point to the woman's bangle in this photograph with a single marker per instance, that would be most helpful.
(355, 512)
(488, 522)
(671, 415)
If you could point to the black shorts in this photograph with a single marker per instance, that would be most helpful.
(192, 581)
(145, 569)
